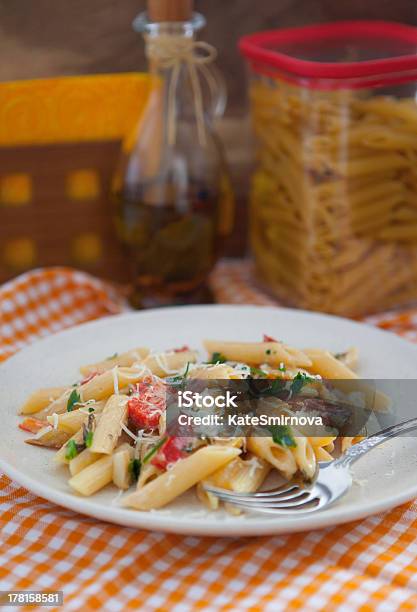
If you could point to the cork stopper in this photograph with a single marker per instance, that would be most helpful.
(170, 10)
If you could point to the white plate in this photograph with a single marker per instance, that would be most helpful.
(385, 478)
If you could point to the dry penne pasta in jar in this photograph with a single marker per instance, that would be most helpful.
(334, 195)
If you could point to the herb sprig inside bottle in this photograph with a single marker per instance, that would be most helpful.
(172, 187)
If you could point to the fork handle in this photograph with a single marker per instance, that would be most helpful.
(357, 450)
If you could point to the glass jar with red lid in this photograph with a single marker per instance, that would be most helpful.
(334, 194)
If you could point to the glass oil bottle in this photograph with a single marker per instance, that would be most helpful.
(173, 194)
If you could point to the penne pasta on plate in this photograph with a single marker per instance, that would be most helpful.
(113, 428)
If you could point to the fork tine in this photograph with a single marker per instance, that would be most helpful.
(283, 489)
(299, 506)
(293, 493)
(310, 506)
(276, 503)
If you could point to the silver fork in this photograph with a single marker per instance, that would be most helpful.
(333, 481)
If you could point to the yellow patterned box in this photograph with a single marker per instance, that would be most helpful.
(59, 146)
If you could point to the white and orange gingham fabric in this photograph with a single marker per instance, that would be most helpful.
(366, 565)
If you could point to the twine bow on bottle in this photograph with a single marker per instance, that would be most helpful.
(173, 52)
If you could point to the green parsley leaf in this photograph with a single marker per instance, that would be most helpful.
(72, 450)
(257, 372)
(154, 450)
(73, 399)
(112, 356)
(134, 468)
(282, 367)
(217, 358)
(88, 438)
(281, 434)
(275, 386)
(173, 379)
(88, 430)
(180, 378)
(184, 376)
(268, 351)
(299, 381)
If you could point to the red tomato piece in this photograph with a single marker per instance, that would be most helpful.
(182, 349)
(172, 451)
(269, 339)
(89, 377)
(31, 424)
(141, 415)
(147, 404)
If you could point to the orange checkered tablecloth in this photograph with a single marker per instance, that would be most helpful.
(365, 565)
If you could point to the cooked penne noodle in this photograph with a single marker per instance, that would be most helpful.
(82, 460)
(109, 383)
(60, 456)
(278, 456)
(148, 473)
(165, 364)
(38, 400)
(123, 360)
(122, 457)
(305, 457)
(94, 477)
(180, 478)
(272, 353)
(236, 442)
(215, 372)
(318, 441)
(325, 364)
(208, 499)
(322, 454)
(109, 428)
(241, 475)
(57, 406)
(77, 438)
(71, 422)
(349, 358)
(244, 477)
(348, 441)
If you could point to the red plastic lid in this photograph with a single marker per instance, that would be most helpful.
(355, 53)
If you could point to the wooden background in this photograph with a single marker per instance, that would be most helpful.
(54, 37)
(42, 38)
